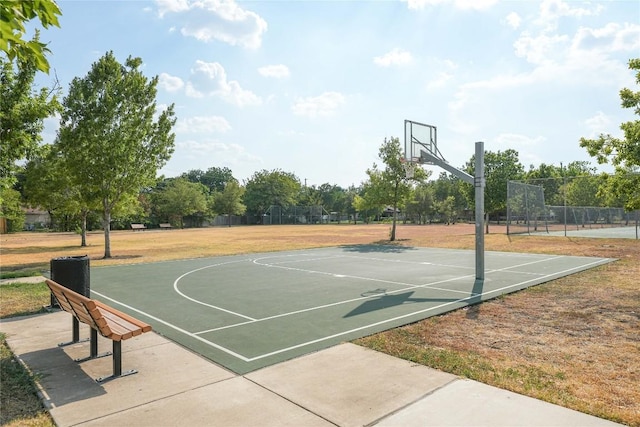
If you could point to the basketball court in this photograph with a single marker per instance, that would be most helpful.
(250, 311)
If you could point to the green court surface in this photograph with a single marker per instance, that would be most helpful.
(250, 311)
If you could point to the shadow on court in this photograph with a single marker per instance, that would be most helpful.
(377, 248)
(387, 301)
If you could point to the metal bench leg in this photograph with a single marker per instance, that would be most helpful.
(117, 364)
(75, 334)
(93, 351)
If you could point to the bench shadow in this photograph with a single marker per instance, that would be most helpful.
(61, 378)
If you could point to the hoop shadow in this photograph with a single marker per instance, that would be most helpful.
(387, 301)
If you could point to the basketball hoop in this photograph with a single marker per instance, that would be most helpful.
(410, 166)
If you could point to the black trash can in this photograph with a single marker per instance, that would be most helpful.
(71, 272)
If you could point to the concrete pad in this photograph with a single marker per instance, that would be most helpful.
(234, 402)
(68, 388)
(350, 385)
(470, 403)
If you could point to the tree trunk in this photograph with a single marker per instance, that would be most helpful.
(392, 238)
(486, 223)
(106, 225)
(229, 220)
(83, 233)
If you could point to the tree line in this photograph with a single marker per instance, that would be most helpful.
(101, 169)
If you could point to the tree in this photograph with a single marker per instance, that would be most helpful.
(180, 198)
(391, 186)
(267, 188)
(11, 209)
(22, 114)
(624, 154)
(13, 16)
(111, 144)
(421, 205)
(48, 186)
(550, 178)
(500, 168)
(229, 200)
(214, 178)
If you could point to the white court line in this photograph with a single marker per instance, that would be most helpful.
(177, 328)
(319, 307)
(407, 286)
(252, 359)
(175, 287)
(273, 353)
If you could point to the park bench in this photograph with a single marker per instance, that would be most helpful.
(107, 321)
(165, 226)
(135, 227)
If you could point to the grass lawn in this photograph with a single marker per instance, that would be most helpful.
(572, 341)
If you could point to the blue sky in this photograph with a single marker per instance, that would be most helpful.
(314, 87)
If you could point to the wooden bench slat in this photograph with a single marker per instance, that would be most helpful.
(106, 320)
(145, 327)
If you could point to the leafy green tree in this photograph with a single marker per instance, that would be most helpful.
(180, 198)
(22, 114)
(391, 186)
(11, 209)
(268, 188)
(422, 203)
(111, 144)
(48, 186)
(500, 167)
(214, 178)
(550, 178)
(365, 208)
(229, 200)
(309, 196)
(13, 17)
(447, 210)
(624, 154)
(448, 185)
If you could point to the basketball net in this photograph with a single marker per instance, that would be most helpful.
(409, 167)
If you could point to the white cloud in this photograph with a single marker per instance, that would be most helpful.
(222, 20)
(210, 78)
(542, 48)
(524, 145)
(552, 10)
(175, 6)
(322, 105)
(170, 83)
(440, 81)
(458, 4)
(203, 124)
(598, 124)
(611, 37)
(224, 153)
(394, 57)
(513, 20)
(276, 71)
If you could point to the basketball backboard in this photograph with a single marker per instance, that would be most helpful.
(421, 143)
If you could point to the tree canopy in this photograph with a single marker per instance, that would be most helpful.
(109, 138)
(390, 186)
(267, 188)
(624, 153)
(13, 17)
(22, 114)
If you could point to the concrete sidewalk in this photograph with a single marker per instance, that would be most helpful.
(346, 385)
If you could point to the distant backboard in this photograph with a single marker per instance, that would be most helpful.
(421, 143)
